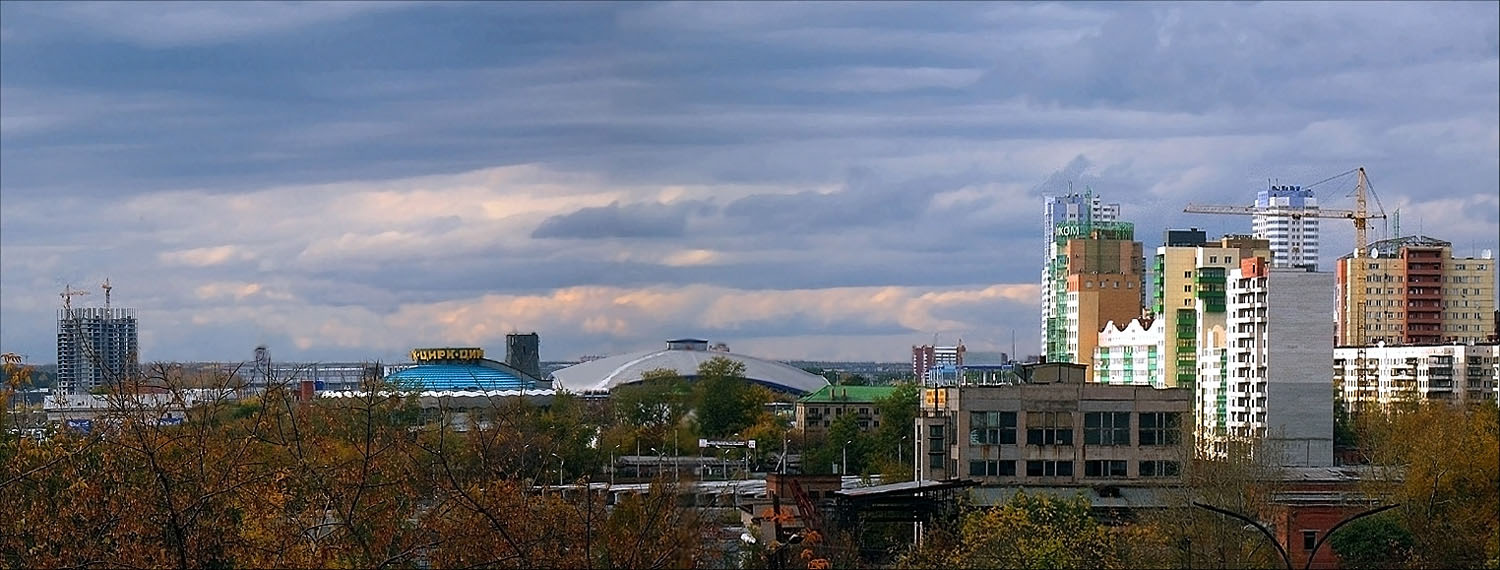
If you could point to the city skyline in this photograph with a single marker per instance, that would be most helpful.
(346, 181)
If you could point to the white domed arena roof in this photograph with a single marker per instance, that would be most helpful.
(682, 356)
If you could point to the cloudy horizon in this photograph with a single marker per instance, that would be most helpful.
(822, 181)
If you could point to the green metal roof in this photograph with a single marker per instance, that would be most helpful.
(849, 394)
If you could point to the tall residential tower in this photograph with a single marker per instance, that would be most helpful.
(1073, 208)
(1284, 215)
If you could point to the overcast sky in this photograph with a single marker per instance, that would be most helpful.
(346, 181)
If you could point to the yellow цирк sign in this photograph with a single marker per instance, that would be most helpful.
(431, 354)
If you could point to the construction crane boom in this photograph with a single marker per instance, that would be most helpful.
(1251, 210)
(1360, 215)
(1353, 307)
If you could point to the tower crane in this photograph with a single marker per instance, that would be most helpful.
(106, 287)
(67, 296)
(1361, 217)
(1360, 214)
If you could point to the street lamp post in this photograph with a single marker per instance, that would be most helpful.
(612, 452)
(844, 467)
(561, 463)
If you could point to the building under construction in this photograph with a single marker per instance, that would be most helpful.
(95, 347)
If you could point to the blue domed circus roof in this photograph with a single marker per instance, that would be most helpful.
(459, 376)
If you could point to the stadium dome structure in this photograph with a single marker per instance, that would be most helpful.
(683, 356)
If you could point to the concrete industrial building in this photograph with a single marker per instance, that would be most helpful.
(1054, 430)
(1072, 208)
(1415, 292)
(1285, 217)
(96, 347)
(1272, 382)
(1383, 375)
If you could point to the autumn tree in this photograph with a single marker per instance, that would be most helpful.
(1028, 531)
(1441, 462)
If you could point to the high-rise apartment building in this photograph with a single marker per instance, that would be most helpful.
(1097, 277)
(1272, 380)
(1283, 217)
(1414, 291)
(1073, 208)
(1188, 312)
(95, 347)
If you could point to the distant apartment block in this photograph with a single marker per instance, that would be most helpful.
(1055, 429)
(1283, 218)
(1415, 291)
(96, 347)
(937, 365)
(1372, 377)
(816, 412)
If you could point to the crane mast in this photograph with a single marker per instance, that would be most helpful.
(67, 296)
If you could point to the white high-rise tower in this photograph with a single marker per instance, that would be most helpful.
(1293, 237)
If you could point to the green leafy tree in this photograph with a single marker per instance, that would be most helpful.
(725, 402)
(895, 450)
(853, 380)
(1344, 434)
(843, 441)
(1373, 542)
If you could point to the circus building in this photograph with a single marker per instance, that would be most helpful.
(682, 356)
(460, 378)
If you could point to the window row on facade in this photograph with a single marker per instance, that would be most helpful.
(1056, 428)
(1092, 468)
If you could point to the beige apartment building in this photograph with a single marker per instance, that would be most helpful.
(1413, 291)
(1056, 430)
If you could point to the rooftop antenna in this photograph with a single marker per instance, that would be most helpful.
(106, 287)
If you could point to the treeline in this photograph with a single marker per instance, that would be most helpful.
(339, 482)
